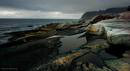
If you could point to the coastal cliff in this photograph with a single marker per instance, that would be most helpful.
(111, 11)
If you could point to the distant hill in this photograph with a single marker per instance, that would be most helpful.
(111, 11)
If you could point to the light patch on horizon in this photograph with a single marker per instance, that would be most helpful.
(7, 13)
(37, 14)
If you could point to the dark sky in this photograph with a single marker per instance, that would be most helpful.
(54, 8)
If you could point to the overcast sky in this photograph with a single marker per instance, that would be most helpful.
(56, 9)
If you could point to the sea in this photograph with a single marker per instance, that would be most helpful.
(14, 25)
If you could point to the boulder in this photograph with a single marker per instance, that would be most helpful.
(95, 29)
(115, 30)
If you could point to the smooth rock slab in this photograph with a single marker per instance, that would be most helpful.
(117, 31)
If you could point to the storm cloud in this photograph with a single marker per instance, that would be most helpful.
(54, 8)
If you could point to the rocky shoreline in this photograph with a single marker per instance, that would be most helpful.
(106, 49)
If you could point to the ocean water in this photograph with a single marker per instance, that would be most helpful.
(13, 25)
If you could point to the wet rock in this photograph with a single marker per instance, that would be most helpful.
(126, 57)
(125, 67)
(117, 50)
(69, 29)
(48, 26)
(118, 65)
(100, 18)
(82, 60)
(25, 37)
(127, 54)
(89, 62)
(90, 58)
(52, 25)
(29, 55)
(48, 43)
(92, 67)
(68, 26)
(40, 34)
(96, 45)
(61, 63)
(43, 32)
(119, 39)
(106, 56)
(62, 26)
